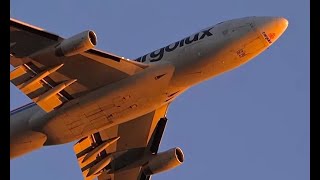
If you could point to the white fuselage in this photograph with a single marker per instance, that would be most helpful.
(173, 69)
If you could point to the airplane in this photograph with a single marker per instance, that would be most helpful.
(114, 107)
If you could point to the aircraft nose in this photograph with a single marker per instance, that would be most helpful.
(271, 28)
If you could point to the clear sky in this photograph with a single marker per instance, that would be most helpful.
(248, 124)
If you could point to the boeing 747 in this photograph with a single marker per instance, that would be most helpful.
(116, 107)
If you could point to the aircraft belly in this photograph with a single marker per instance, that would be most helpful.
(110, 105)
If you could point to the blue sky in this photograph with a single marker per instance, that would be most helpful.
(250, 123)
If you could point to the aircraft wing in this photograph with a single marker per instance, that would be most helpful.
(116, 153)
(51, 80)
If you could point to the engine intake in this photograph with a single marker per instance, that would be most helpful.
(164, 161)
(77, 44)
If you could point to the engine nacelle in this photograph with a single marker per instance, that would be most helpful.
(164, 161)
(77, 44)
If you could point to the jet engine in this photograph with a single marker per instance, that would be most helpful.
(77, 44)
(164, 161)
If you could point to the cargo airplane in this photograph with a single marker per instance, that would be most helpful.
(115, 107)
